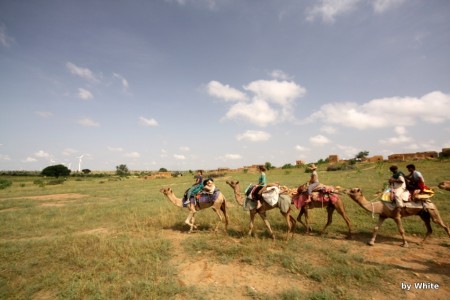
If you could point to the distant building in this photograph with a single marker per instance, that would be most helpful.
(299, 163)
(332, 159)
(375, 158)
(413, 156)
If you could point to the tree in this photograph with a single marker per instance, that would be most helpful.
(287, 166)
(86, 171)
(361, 155)
(268, 166)
(163, 170)
(122, 170)
(56, 171)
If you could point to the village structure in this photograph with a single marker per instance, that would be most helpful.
(332, 159)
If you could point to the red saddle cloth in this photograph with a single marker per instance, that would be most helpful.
(323, 196)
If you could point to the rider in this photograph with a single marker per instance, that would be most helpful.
(313, 181)
(415, 180)
(399, 191)
(262, 181)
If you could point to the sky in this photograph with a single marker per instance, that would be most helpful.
(206, 84)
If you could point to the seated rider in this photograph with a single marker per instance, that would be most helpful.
(208, 186)
(398, 188)
(198, 181)
(313, 181)
(415, 181)
(262, 181)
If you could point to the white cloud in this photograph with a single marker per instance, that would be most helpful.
(225, 92)
(319, 140)
(279, 74)
(42, 154)
(433, 107)
(272, 102)
(29, 159)
(209, 4)
(115, 149)
(5, 40)
(233, 156)
(349, 151)
(123, 81)
(148, 122)
(400, 130)
(257, 112)
(4, 157)
(132, 154)
(84, 73)
(300, 148)
(184, 148)
(401, 139)
(69, 152)
(328, 10)
(254, 136)
(279, 92)
(179, 157)
(328, 129)
(44, 114)
(88, 122)
(163, 153)
(380, 6)
(84, 94)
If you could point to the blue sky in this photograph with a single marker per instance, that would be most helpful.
(203, 84)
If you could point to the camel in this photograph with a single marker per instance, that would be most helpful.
(290, 221)
(445, 185)
(425, 210)
(219, 204)
(338, 205)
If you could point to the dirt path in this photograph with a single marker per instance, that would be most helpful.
(429, 265)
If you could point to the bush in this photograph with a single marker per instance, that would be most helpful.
(341, 167)
(56, 171)
(4, 183)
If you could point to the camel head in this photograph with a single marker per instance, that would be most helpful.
(166, 191)
(232, 183)
(445, 185)
(354, 193)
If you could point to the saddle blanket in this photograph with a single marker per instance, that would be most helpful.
(411, 204)
(202, 198)
(324, 197)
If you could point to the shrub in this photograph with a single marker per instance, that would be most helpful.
(56, 171)
(340, 167)
(4, 183)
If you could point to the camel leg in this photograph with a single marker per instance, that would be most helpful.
(190, 220)
(330, 210)
(252, 221)
(264, 218)
(425, 216)
(342, 212)
(375, 230)
(436, 217)
(293, 223)
(290, 221)
(299, 217)
(401, 231)
(223, 208)
(308, 227)
(220, 219)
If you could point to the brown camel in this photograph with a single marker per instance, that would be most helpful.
(331, 207)
(219, 204)
(290, 221)
(425, 210)
(445, 185)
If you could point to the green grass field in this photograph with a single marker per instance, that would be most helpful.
(107, 238)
